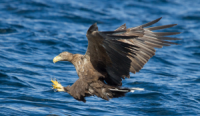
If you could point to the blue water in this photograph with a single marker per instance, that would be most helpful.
(32, 32)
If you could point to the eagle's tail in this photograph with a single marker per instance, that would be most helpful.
(120, 92)
(125, 90)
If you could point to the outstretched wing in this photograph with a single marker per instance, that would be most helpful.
(125, 50)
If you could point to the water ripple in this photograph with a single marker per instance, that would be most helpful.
(33, 32)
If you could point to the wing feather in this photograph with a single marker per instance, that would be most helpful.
(126, 50)
(150, 23)
(161, 27)
(122, 27)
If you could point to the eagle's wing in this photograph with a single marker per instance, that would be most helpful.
(125, 50)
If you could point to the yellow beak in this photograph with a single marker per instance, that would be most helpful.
(56, 59)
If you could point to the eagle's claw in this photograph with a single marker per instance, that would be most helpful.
(56, 85)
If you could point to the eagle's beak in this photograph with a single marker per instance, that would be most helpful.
(56, 59)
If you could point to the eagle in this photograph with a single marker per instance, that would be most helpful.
(110, 57)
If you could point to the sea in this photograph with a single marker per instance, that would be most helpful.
(33, 32)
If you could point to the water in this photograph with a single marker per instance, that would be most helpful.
(32, 32)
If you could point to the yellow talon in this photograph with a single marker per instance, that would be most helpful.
(57, 85)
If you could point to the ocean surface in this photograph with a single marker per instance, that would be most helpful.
(33, 32)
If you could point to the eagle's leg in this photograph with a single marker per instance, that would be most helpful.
(56, 85)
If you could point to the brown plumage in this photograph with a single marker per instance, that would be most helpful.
(109, 58)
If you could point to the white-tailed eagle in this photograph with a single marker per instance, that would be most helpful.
(109, 58)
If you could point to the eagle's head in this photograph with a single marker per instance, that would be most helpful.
(64, 56)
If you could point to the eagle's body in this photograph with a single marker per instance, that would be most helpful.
(109, 58)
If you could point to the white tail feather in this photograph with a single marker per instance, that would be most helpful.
(127, 90)
(119, 90)
(139, 89)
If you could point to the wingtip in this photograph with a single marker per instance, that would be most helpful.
(151, 23)
(172, 25)
(92, 28)
(122, 27)
(158, 19)
(95, 24)
(176, 33)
